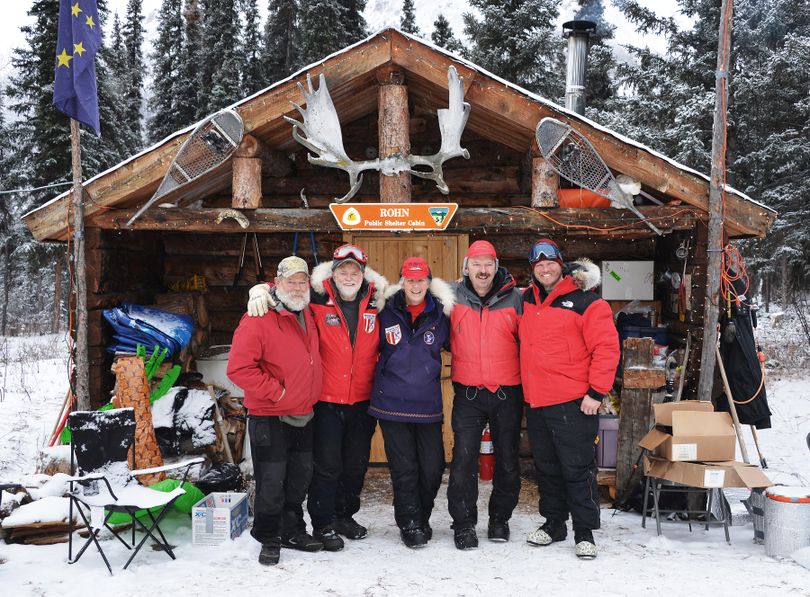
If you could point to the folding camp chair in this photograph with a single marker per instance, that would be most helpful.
(102, 481)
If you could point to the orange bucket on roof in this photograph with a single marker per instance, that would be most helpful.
(581, 198)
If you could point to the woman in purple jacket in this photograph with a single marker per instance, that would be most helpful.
(407, 396)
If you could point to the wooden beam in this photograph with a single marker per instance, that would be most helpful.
(393, 131)
(613, 223)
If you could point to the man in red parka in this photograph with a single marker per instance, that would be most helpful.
(569, 350)
(275, 360)
(486, 383)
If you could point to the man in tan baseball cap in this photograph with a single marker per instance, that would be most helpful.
(275, 359)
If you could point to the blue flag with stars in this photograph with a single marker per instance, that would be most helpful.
(74, 84)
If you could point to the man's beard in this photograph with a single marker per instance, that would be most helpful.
(293, 303)
(347, 294)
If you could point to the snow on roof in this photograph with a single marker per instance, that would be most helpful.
(457, 58)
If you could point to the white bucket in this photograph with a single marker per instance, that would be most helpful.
(787, 520)
(214, 366)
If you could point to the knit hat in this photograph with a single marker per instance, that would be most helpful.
(415, 268)
(292, 265)
(545, 250)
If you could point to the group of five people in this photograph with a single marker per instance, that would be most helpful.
(322, 359)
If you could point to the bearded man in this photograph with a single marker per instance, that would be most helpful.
(275, 360)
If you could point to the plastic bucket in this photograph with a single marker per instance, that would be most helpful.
(787, 520)
(213, 365)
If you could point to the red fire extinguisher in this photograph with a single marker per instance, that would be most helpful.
(486, 459)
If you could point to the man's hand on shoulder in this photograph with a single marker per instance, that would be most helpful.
(259, 300)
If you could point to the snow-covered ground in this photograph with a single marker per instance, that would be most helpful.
(632, 560)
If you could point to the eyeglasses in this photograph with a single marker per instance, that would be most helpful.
(350, 252)
(543, 250)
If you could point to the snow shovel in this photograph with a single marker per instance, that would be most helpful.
(576, 160)
(207, 147)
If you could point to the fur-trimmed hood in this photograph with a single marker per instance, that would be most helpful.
(440, 290)
(323, 272)
(586, 274)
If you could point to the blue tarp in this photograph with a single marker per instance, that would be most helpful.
(136, 324)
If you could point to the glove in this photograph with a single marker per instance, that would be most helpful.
(259, 300)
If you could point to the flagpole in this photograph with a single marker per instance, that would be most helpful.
(81, 364)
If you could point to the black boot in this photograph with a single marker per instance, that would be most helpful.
(498, 530)
(349, 528)
(465, 538)
(302, 541)
(585, 545)
(414, 538)
(270, 554)
(330, 539)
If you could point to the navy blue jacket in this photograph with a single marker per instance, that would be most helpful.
(407, 381)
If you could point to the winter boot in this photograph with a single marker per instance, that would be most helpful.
(330, 539)
(465, 538)
(414, 538)
(550, 532)
(349, 528)
(302, 541)
(269, 554)
(498, 530)
(585, 545)
(428, 531)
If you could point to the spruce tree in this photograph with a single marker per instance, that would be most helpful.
(219, 57)
(166, 60)
(252, 73)
(407, 22)
(133, 34)
(443, 36)
(282, 40)
(353, 21)
(321, 27)
(188, 83)
(518, 41)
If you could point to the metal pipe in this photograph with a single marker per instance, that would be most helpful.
(578, 32)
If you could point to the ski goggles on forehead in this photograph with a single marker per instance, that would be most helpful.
(544, 250)
(350, 252)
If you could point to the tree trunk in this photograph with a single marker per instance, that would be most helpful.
(57, 296)
(6, 286)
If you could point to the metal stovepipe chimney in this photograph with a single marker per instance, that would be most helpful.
(578, 32)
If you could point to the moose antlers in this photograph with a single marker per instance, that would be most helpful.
(320, 133)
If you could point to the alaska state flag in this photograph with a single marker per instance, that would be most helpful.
(74, 85)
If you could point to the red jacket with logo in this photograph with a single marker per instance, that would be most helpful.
(569, 346)
(276, 363)
(483, 337)
(348, 369)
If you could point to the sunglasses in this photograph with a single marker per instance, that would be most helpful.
(350, 252)
(543, 250)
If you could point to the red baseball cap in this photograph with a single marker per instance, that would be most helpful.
(415, 268)
(481, 247)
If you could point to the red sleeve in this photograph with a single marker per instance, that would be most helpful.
(247, 352)
(602, 342)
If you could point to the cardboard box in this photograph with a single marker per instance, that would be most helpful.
(697, 433)
(731, 473)
(628, 280)
(218, 517)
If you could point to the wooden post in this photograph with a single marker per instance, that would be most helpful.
(545, 181)
(247, 174)
(394, 132)
(81, 359)
(716, 190)
(635, 416)
(56, 317)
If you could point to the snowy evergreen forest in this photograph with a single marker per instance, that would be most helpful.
(210, 53)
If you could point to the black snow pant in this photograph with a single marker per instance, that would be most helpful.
(342, 444)
(562, 440)
(472, 409)
(282, 468)
(415, 455)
